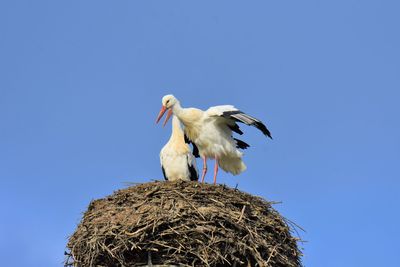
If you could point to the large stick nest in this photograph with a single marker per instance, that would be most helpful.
(185, 224)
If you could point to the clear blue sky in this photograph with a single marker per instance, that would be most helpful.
(81, 84)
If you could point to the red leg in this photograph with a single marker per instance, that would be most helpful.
(215, 170)
(204, 169)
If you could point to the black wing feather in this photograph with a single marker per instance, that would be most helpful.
(163, 172)
(187, 140)
(195, 151)
(242, 117)
(235, 128)
(194, 176)
(241, 144)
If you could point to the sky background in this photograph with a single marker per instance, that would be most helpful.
(81, 85)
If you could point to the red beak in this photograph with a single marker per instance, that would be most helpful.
(162, 111)
(168, 116)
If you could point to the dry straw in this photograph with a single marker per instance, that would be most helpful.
(182, 224)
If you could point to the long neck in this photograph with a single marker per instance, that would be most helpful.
(177, 132)
(177, 109)
(179, 112)
(183, 114)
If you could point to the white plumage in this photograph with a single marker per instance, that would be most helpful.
(211, 132)
(177, 160)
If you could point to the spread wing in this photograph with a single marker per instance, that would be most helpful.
(233, 115)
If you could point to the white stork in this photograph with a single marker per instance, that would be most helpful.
(177, 161)
(211, 132)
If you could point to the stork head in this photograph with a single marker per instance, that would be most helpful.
(168, 102)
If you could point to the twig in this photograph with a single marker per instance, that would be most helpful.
(241, 215)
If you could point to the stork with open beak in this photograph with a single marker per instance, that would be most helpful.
(210, 132)
(177, 160)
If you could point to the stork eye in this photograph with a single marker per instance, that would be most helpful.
(167, 101)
